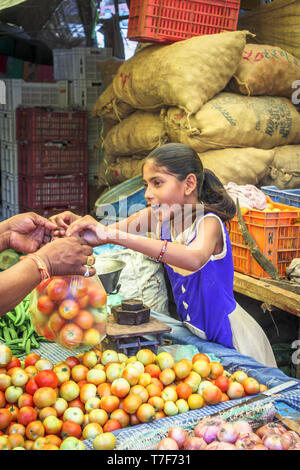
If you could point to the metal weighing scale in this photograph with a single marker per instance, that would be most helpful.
(127, 339)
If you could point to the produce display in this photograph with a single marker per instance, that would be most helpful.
(47, 406)
(213, 433)
(70, 310)
(17, 331)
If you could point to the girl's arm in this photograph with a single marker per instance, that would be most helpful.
(140, 222)
(190, 258)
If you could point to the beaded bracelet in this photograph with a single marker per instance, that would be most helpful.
(163, 249)
(40, 265)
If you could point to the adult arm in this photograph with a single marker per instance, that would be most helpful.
(66, 256)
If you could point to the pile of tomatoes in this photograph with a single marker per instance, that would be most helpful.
(94, 393)
(70, 310)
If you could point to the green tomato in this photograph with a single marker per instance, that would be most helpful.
(72, 443)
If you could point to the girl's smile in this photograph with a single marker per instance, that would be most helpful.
(165, 193)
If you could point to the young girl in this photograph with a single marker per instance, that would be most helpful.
(188, 208)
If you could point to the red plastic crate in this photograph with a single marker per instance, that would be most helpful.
(50, 211)
(42, 125)
(167, 21)
(35, 158)
(277, 235)
(47, 191)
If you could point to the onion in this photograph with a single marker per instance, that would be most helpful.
(296, 446)
(270, 428)
(227, 433)
(194, 443)
(167, 444)
(242, 427)
(178, 434)
(247, 441)
(208, 428)
(226, 446)
(259, 447)
(214, 445)
(290, 437)
(275, 442)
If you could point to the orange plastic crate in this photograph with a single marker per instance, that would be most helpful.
(277, 235)
(167, 21)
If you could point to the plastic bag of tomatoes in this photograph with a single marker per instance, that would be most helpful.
(70, 310)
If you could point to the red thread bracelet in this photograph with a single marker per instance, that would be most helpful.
(163, 249)
(40, 265)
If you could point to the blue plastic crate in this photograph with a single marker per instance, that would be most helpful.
(290, 197)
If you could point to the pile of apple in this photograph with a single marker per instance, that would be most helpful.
(213, 433)
(94, 393)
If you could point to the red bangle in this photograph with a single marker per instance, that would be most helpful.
(40, 265)
(161, 254)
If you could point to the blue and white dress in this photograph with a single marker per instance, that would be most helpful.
(205, 299)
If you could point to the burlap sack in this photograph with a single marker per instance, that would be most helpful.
(185, 73)
(138, 134)
(232, 120)
(240, 166)
(284, 171)
(275, 23)
(111, 108)
(108, 69)
(120, 170)
(266, 70)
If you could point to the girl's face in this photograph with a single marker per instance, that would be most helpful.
(165, 193)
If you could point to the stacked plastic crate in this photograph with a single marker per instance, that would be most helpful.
(52, 160)
(21, 93)
(79, 67)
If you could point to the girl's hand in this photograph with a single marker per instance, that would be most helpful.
(62, 221)
(89, 229)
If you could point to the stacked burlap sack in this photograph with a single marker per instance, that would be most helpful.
(230, 101)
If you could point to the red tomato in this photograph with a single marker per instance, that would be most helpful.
(83, 301)
(14, 362)
(68, 309)
(70, 428)
(46, 378)
(26, 415)
(97, 296)
(78, 287)
(45, 304)
(222, 382)
(41, 288)
(31, 386)
(56, 322)
(31, 359)
(25, 400)
(2, 399)
(71, 335)
(72, 361)
(57, 289)
(84, 319)
(47, 333)
(5, 418)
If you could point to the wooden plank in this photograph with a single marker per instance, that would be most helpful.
(116, 331)
(266, 292)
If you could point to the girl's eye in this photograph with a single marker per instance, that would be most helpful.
(157, 183)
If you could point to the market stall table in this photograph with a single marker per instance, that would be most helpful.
(274, 293)
(232, 361)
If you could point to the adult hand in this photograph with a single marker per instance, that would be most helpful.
(90, 230)
(28, 231)
(67, 256)
(62, 221)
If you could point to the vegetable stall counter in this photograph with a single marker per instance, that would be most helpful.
(275, 293)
